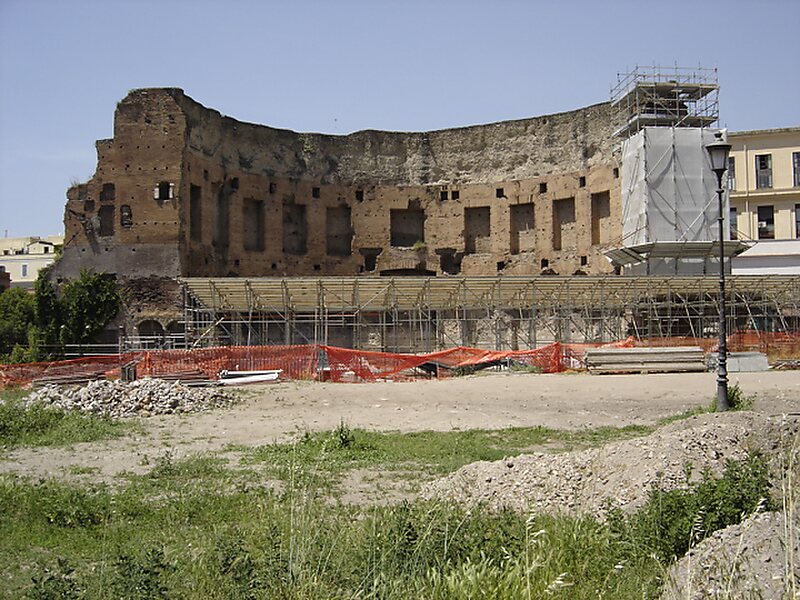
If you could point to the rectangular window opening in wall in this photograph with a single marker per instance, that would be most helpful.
(581, 181)
(543, 187)
(107, 192)
(731, 173)
(500, 193)
(315, 192)
(125, 216)
(360, 195)
(273, 187)
(295, 229)
(407, 227)
(443, 195)
(164, 191)
(253, 224)
(106, 214)
(796, 169)
(24, 270)
(196, 212)
(454, 195)
(615, 172)
(338, 231)
(584, 261)
(563, 222)
(766, 222)
(544, 263)
(797, 221)
(734, 232)
(601, 216)
(763, 171)
(235, 183)
(522, 231)
(477, 230)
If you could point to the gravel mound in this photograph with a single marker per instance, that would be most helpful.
(753, 559)
(617, 474)
(144, 397)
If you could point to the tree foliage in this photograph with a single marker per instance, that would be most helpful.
(38, 326)
(16, 316)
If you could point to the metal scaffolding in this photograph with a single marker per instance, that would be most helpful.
(665, 97)
(422, 314)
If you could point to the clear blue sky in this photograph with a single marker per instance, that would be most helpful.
(340, 66)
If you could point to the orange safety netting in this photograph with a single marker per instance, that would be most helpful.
(359, 365)
(303, 361)
(296, 362)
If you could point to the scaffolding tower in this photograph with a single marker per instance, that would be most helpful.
(665, 97)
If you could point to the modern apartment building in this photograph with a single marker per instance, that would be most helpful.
(764, 183)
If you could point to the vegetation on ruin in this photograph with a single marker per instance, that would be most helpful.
(37, 327)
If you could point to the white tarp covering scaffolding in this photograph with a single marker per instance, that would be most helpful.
(668, 188)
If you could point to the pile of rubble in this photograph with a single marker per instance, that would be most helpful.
(618, 474)
(755, 559)
(145, 397)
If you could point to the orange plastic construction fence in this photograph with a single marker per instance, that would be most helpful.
(341, 364)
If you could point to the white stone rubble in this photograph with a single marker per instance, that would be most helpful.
(144, 397)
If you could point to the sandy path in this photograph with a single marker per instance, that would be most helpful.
(279, 411)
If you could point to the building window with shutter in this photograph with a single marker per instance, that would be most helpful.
(763, 171)
(796, 168)
(731, 173)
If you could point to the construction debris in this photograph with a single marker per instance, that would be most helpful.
(145, 397)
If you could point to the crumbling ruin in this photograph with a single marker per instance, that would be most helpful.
(181, 190)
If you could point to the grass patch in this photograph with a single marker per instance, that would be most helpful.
(40, 425)
(190, 541)
(323, 456)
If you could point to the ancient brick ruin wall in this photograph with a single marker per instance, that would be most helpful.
(182, 190)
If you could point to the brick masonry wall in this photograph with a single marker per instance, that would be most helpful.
(199, 194)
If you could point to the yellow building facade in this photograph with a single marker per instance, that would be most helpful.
(764, 182)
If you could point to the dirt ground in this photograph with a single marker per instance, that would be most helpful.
(278, 412)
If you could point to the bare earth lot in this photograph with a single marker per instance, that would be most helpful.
(279, 412)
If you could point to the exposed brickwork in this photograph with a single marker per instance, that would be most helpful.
(183, 190)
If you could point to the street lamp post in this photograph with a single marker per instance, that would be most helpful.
(718, 153)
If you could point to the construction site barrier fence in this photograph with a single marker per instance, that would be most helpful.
(330, 363)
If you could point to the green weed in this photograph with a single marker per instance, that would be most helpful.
(40, 425)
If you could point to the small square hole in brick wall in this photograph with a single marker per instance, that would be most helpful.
(317, 267)
(581, 181)
(501, 265)
(443, 195)
(615, 172)
(235, 183)
(236, 262)
(273, 187)
(500, 193)
(205, 174)
(274, 266)
(315, 192)
(584, 261)
(543, 187)
(545, 263)
(454, 195)
(360, 195)
(88, 206)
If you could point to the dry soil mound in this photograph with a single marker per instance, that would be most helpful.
(619, 473)
(755, 559)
